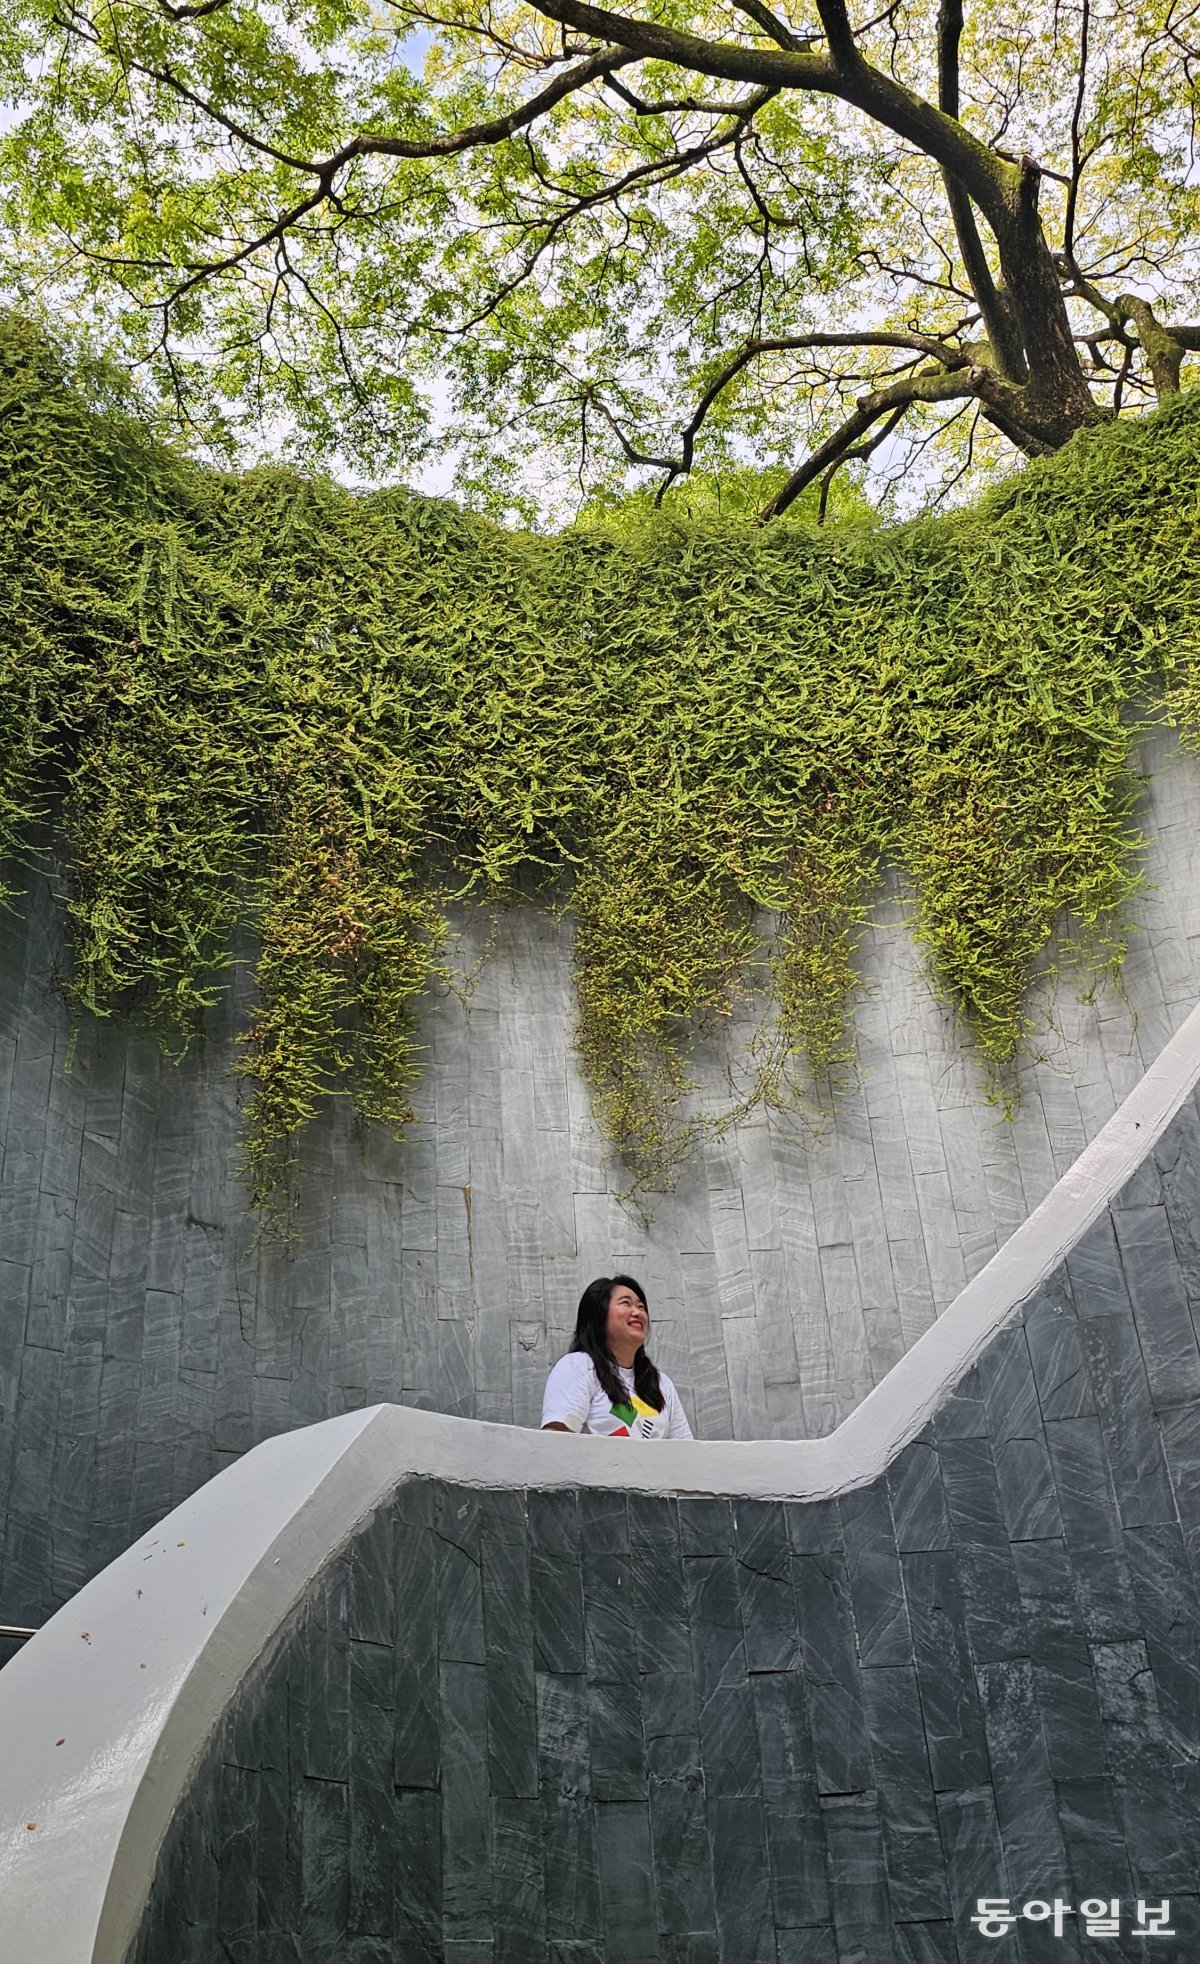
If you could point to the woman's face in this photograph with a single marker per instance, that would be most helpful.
(628, 1324)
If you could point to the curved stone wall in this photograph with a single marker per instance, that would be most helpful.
(146, 1338)
(553, 1700)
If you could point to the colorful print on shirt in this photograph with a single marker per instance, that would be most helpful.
(635, 1419)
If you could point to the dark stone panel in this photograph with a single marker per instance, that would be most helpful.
(815, 1945)
(618, 1747)
(1094, 1839)
(992, 1614)
(741, 1878)
(671, 1725)
(914, 1861)
(974, 1855)
(507, 1617)
(324, 1867)
(1160, 1308)
(571, 1867)
(417, 1751)
(608, 1608)
(949, 1699)
(564, 1748)
(683, 1862)
(603, 1522)
(1055, 1336)
(372, 1791)
(796, 1850)
(715, 1621)
(237, 1850)
(857, 1872)
(1125, 1409)
(1095, 1274)
(964, 1415)
(659, 1597)
(518, 1881)
(626, 1865)
(1170, 1611)
(460, 1603)
(706, 1526)
(873, 1569)
(556, 1609)
(1091, 1528)
(919, 1510)
(814, 1527)
(833, 1686)
(466, 1823)
(1065, 1687)
(1021, 1784)
(764, 1572)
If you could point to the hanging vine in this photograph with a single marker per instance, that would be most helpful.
(265, 700)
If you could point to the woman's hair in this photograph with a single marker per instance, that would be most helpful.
(591, 1336)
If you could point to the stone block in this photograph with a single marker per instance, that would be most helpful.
(829, 1660)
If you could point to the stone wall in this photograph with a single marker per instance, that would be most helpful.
(523, 1726)
(146, 1337)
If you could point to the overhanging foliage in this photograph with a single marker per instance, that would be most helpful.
(263, 698)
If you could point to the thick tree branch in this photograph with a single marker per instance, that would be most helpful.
(925, 344)
(990, 180)
(997, 318)
(930, 386)
(678, 466)
(763, 17)
(859, 454)
(1164, 347)
(834, 17)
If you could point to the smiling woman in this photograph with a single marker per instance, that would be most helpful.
(606, 1383)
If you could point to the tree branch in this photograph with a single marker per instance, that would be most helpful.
(1077, 160)
(843, 73)
(923, 344)
(929, 386)
(998, 323)
(763, 17)
(1164, 346)
(860, 452)
(475, 137)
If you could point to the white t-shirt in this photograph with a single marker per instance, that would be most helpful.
(574, 1399)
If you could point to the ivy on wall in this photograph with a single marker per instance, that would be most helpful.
(265, 699)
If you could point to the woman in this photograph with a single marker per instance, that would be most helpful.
(606, 1383)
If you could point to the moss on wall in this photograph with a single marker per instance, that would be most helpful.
(267, 699)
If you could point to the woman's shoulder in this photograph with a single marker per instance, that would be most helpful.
(575, 1368)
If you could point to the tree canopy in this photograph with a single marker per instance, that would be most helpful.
(589, 240)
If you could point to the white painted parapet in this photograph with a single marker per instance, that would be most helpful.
(106, 1712)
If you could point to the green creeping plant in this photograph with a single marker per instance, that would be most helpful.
(266, 703)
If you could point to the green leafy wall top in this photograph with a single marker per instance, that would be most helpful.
(266, 699)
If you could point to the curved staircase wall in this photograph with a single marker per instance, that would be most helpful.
(472, 1692)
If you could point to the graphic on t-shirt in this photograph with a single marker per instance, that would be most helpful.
(634, 1418)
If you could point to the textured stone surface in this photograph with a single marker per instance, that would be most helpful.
(146, 1335)
(548, 1727)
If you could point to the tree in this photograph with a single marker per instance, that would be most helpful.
(641, 238)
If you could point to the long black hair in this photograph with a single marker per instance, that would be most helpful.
(591, 1337)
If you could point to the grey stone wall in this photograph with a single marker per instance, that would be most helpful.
(146, 1337)
(518, 1727)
